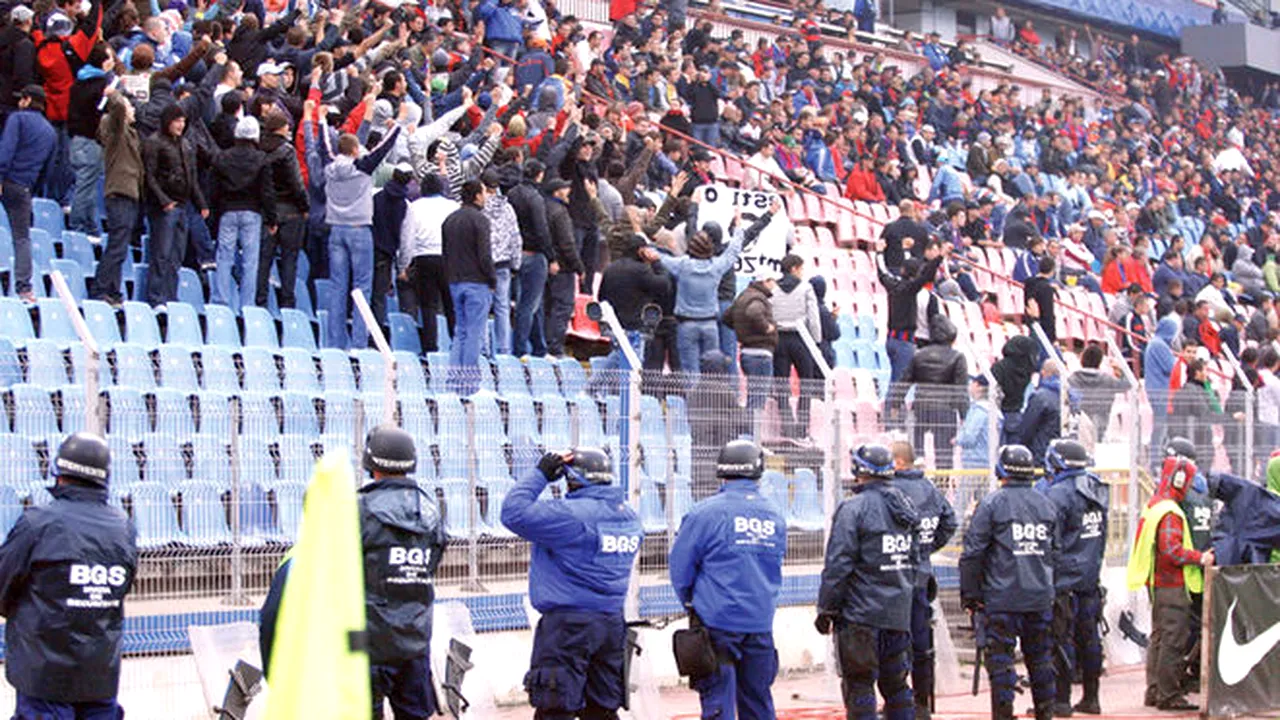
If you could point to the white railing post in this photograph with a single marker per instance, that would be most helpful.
(92, 408)
(388, 359)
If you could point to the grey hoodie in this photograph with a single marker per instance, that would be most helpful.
(348, 181)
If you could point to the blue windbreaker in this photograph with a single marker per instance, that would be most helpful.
(937, 518)
(1010, 551)
(727, 558)
(1082, 501)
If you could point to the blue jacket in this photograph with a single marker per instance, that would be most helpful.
(500, 23)
(937, 519)
(697, 279)
(869, 574)
(583, 544)
(973, 438)
(1157, 362)
(1164, 274)
(1042, 420)
(64, 572)
(26, 147)
(727, 559)
(1010, 551)
(936, 56)
(1082, 500)
(947, 185)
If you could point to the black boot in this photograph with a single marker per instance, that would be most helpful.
(1047, 711)
(922, 710)
(1089, 703)
(1001, 711)
(1062, 706)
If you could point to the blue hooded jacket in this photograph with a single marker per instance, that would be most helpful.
(583, 544)
(500, 23)
(1082, 501)
(1042, 420)
(1010, 551)
(26, 147)
(1249, 522)
(937, 518)
(727, 559)
(1157, 362)
(870, 570)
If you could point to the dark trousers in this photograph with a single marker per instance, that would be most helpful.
(791, 352)
(29, 708)
(921, 647)
(431, 288)
(588, 242)
(871, 657)
(123, 216)
(739, 688)
(560, 295)
(17, 205)
(1076, 627)
(286, 242)
(166, 245)
(407, 685)
(1170, 629)
(531, 285)
(576, 668)
(383, 281)
(1004, 631)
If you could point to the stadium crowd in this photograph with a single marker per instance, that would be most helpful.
(499, 158)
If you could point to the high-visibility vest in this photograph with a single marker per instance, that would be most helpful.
(1142, 558)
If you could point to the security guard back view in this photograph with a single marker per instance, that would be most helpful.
(584, 545)
(403, 540)
(65, 569)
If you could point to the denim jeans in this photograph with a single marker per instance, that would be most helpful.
(900, 353)
(606, 378)
(694, 337)
(58, 178)
(528, 339)
(350, 266)
(471, 302)
(728, 338)
(757, 365)
(165, 245)
(507, 48)
(239, 231)
(122, 221)
(17, 205)
(707, 133)
(86, 164)
(199, 237)
(501, 313)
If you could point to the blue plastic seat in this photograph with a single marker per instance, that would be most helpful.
(164, 463)
(128, 412)
(255, 461)
(682, 448)
(297, 461)
(846, 356)
(16, 320)
(220, 326)
(511, 379)
(487, 421)
(335, 366)
(415, 419)
(806, 511)
(300, 414)
(300, 370)
(612, 415)
(677, 417)
(46, 366)
(173, 413)
(491, 461)
(301, 293)
(340, 416)
(590, 430)
(76, 246)
(258, 418)
(774, 487)
(139, 275)
(183, 325)
(526, 438)
(47, 216)
(373, 370)
(134, 367)
(458, 505)
(451, 416)
(203, 516)
(215, 413)
(404, 333)
(10, 508)
(867, 328)
(444, 340)
(103, 323)
(155, 516)
(657, 460)
(210, 460)
(33, 413)
(296, 330)
(21, 463)
(72, 274)
(411, 380)
(257, 522)
(681, 497)
(259, 328)
(218, 368)
(572, 377)
(289, 509)
(438, 370)
(177, 370)
(260, 373)
(848, 325)
(557, 431)
(190, 289)
(140, 325)
(652, 515)
(54, 323)
(497, 489)
(653, 424)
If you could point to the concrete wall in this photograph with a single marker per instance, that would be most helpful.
(1232, 46)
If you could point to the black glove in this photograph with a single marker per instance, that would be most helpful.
(824, 623)
(551, 466)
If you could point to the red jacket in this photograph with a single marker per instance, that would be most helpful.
(54, 57)
(863, 186)
(619, 9)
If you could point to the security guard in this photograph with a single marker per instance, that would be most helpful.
(1007, 573)
(868, 581)
(1082, 502)
(937, 525)
(583, 547)
(64, 572)
(726, 567)
(1198, 507)
(403, 540)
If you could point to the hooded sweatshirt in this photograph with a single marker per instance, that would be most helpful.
(1013, 371)
(1158, 360)
(794, 303)
(348, 181)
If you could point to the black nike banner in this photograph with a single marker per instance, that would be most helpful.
(1241, 647)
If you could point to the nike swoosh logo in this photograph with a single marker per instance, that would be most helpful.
(1236, 661)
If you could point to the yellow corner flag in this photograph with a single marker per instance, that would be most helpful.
(319, 665)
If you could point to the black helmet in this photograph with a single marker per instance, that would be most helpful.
(84, 456)
(872, 460)
(740, 459)
(589, 466)
(1180, 447)
(1015, 461)
(390, 450)
(1066, 455)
